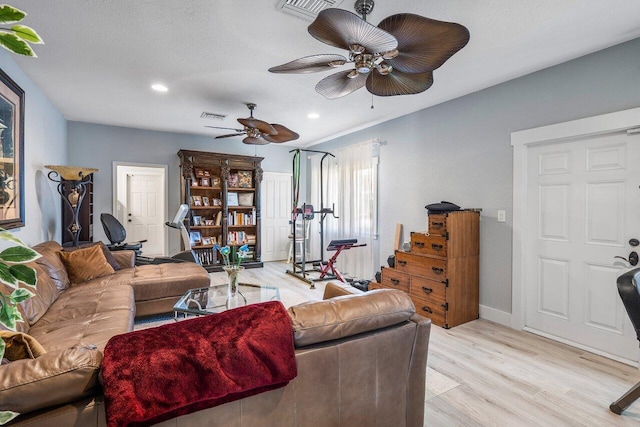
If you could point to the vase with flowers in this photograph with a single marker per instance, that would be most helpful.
(232, 257)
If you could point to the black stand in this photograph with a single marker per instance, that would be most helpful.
(76, 190)
(300, 268)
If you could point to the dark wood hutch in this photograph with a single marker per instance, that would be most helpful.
(223, 194)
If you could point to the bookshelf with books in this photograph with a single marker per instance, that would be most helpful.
(223, 193)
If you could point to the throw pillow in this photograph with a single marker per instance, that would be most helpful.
(20, 346)
(107, 253)
(85, 264)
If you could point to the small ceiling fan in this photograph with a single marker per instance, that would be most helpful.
(395, 58)
(259, 132)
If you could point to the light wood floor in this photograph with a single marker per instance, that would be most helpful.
(499, 376)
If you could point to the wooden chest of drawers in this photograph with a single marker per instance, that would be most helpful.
(441, 273)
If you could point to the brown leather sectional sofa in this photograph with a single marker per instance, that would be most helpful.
(361, 358)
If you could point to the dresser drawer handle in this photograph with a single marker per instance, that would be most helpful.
(402, 263)
(419, 244)
(395, 281)
(427, 309)
(437, 224)
(436, 247)
(437, 270)
(427, 290)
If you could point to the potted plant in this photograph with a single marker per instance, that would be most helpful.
(14, 253)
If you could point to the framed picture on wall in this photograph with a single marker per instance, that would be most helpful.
(11, 153)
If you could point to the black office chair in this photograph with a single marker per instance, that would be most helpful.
(117, 235)
(628, 290)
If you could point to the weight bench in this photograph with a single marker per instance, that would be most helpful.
(338, 246)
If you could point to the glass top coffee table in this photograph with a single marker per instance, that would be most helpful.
(213, 299)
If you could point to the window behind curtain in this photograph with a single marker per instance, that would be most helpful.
(350, 187)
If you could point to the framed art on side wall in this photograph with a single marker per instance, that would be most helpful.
(11, 153)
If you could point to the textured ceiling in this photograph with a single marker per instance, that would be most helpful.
(101, 56)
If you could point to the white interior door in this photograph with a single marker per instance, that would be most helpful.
(583, 207)
(144, 214)
(275, 215)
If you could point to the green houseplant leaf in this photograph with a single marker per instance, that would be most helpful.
(27, 33)
(9, 14)
(15, 44)
(8, 236)
(6, 277)
(24, 274)
(18, 254)
(20, 295)
(9, 314)
(6, 416)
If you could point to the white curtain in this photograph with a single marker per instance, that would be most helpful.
(350, 187)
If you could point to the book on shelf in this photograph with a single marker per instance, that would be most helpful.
(241, 218)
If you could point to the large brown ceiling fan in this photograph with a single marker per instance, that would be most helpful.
(395, 58)
(259, 132)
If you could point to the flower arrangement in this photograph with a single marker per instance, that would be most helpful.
(232, 256)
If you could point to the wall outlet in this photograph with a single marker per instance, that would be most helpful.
(502, 216)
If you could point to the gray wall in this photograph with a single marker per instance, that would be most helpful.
(460, 150)
(99, 146)
(45, 142)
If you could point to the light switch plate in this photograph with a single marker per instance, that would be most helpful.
(502, 216)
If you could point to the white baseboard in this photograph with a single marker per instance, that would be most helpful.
(494, 315)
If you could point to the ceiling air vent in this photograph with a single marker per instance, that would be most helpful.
(306, 9)
(213, 116)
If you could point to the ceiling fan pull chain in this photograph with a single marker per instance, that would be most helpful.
(372, 101)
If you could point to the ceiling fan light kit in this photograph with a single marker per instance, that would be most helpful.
(259, 132)
(395, 58)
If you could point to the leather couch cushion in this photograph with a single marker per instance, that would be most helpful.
(155, 282)
(45, 294)
(85, 264)
(343, 316)
(52, 263)
(51, 379)
(89, 316)
(21, 346)
(107, 253)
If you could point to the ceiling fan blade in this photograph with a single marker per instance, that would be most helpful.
(341, 28)
(262, 126)
(218, 127)
(338, 85)
(310, 64)
(398, 83)
(284, 134)
(229, 135)
(254, 141)
(424, 44)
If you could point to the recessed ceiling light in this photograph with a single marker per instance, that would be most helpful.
(313, 115)
(159, 87)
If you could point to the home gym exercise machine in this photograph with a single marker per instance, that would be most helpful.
(306, 213)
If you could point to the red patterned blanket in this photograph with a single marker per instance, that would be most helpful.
(159, 373)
